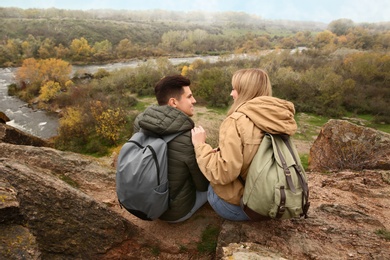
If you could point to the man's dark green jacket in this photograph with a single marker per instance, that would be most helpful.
(184, 175)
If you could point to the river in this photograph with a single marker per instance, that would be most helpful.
(35, 122)
(40, 123)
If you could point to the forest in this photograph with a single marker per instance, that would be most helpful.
(336, 69)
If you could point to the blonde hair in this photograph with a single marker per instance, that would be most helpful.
(250, 83)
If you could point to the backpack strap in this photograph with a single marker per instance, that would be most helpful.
(253, 215)
(168, 138)
(286, 171)
(282, 203)
(302, 182)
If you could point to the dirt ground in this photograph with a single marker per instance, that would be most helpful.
(347, 208)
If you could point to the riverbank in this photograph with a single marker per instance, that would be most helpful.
(43, 124)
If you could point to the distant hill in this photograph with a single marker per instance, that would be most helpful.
(140, 26)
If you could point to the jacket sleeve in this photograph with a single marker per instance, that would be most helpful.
(200, 181)
(224, 166)
(182, 150)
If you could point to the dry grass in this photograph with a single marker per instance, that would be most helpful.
(210, 121)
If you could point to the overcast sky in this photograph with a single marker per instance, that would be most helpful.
(298, 10)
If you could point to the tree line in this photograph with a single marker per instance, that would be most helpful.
(98, 38)
(343, 69)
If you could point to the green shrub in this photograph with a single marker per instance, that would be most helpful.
(12, 90)
(209, 239)
(383, 233)
(305, 161)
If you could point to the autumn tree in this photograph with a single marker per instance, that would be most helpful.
(342, 40)
(186, 70)
(49, 91)
(383, 41)
(367, 67)
(102, 50)
(71, 124)
(56, 70)
(124, 49)
(33, 74)
(61, 52)
(13, 50)
(29, 77)
(46, 49)
(109, 122)
(340, 26)
(30, 47)
(303, 38)
(361, 38)
(198, 40)
(72, 131)
(324, 39)
(371, 72)
(263, 42)
(80, 50)
(5, 60)
(171, 40)
(254, 44)
(287, 43)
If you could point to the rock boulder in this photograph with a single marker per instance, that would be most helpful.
(343, 145)
(12, 135)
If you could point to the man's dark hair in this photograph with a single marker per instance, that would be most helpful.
(170, 86)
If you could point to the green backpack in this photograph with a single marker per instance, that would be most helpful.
(276, 184)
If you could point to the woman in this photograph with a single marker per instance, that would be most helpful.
(254, 112)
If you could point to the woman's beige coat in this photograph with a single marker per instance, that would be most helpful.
(240, 135)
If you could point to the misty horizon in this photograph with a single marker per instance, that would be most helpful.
(298, 10)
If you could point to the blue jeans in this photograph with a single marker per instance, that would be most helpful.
(225, 209)
(201, 199)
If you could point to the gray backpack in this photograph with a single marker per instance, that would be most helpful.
(142, 175)
(276, 184)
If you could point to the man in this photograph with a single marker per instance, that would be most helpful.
(187, 184)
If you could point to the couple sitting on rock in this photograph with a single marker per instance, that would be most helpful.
(197, 172)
